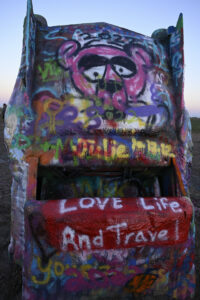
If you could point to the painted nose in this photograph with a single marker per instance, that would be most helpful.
(111, 82)
(110, 86)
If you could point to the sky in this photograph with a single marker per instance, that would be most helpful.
(143, 16)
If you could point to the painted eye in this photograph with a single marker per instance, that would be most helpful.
(95, 73)
(123, 66)
(122, 71)
(92, 67)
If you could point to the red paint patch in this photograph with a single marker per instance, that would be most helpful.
(113, 223)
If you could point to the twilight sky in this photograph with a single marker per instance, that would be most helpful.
(142, 16)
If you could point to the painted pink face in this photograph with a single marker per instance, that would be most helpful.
(106, 72)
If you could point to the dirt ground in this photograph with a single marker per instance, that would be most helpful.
(10, 273)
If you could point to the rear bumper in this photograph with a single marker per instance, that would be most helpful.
(103, 248)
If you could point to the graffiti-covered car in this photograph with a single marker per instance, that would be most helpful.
(100, 149)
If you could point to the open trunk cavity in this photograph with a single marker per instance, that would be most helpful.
(62, 182)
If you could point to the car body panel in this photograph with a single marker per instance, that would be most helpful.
(97, 113)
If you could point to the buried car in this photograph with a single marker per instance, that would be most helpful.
(100, 148)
